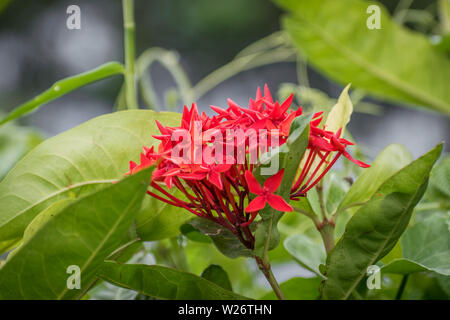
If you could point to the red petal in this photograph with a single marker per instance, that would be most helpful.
(253, 184)
(256, 204)
(267, 94)
(359, 163)
(214, 178)
(272, 183)
(278, 203)
(287, 103)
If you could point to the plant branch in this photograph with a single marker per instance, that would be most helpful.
(130, 77)
(265, 268)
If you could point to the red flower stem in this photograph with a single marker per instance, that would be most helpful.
(317, 168)
(323, 173)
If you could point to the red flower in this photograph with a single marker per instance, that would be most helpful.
(266, 193)
(217, 189)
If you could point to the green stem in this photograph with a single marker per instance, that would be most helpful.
(265, 268)
(327, 233)
(130, 76)
(401, 289)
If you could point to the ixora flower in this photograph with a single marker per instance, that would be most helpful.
(210, 161)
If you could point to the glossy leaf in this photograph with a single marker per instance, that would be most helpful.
(72, 164)
(83, 234)
(389, 161)
(336, 40)
(288, 157)
(216, 274)
(308, 253)
(163, 282)
(425, 247)
(375, 228)
(64, 86)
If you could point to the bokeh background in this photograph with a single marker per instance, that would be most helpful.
(36, 49)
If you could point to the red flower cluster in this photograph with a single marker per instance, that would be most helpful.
(210, 161)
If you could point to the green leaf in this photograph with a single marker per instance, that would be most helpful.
(163, 282)
(193, 234)
(298, 289)
(375, 228)
(307, 253)
(440, 179)
(223, 239)
(339, 115)
(425, 246)
(216, 274)
(389, 161)
(335, 38)
(64, 86)
(288, 157)
(159, 220)
(72, 164)
(83, 234)
(15, 142)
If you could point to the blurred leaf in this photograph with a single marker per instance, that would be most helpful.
(298, 289)
(73, 164)
(82, 234)
(287, 157)
(389, 161)
(426, 247)
(216, 274)
(440, 179)
(375, 228)
(335, 38)
(224, 239)
(164, 283)
(308, 253)
(15, 142)
(64, 86)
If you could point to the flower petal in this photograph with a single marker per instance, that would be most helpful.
(256, 204)
(253, 184)
(214, 178)
(278, 203)
(272, 183)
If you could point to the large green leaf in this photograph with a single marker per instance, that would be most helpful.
(308, 253)
(375, 228)
(335, 38)
(83, 235)
(298, 289)
(389, 161)
(288, 156)
(159, 220)
(425, 246)
(75, 163)
(164, 283)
